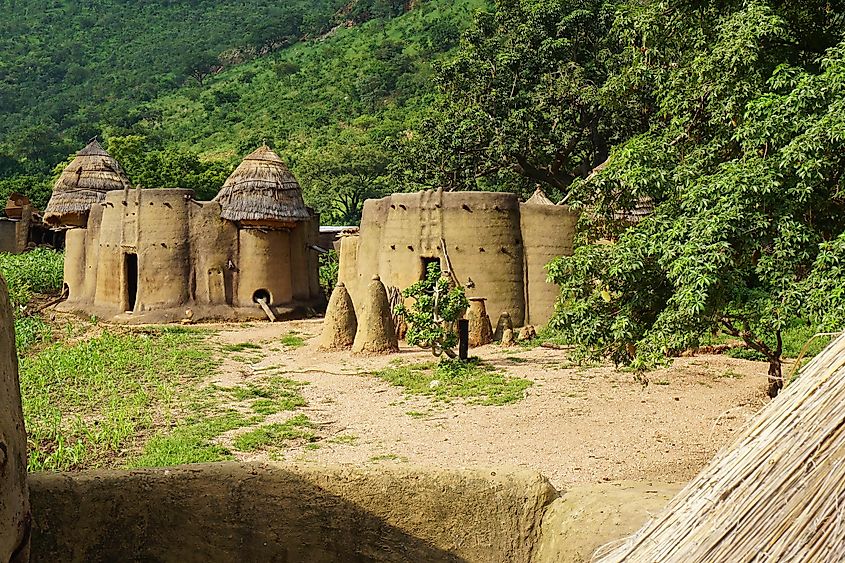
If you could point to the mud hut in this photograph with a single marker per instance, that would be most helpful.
(84, 182)
(494, 245)
(148, 255)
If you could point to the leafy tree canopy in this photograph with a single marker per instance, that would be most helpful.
(743, 160)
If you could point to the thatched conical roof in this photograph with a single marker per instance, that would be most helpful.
(539, 198)
(83, 183)
(262, 190)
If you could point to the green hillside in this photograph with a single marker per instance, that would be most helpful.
(221, 75)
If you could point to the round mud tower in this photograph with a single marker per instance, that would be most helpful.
(340, 324)
(376, 333)
(480, 329)
(15, 520)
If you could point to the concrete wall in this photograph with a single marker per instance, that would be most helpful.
(256, 512)
(14, 502)
(497, 247)
(187, 258)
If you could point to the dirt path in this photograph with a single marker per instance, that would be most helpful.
(575, 425)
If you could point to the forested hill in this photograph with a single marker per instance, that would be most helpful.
(73, 69)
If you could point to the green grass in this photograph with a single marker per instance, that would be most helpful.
(240, 347)
(27, 274)
(87, 404)
(292, 340)
(190, 442)
(297, 428)
(473, 381)
(270, 395)
(344, 439)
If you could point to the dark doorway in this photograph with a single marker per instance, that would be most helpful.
(428, 262)
(130, 271)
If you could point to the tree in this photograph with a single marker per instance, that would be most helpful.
(433, 315)
(521, 103)
(201, 65)
(743, 161)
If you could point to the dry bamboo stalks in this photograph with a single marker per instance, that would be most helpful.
(776, 494)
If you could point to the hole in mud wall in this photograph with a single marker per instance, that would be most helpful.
(65, 290)
(261, 294)
(130, 271)
(425, 262)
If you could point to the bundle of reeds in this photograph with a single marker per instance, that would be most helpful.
(776, 494)
(262, 192)
(83, 183)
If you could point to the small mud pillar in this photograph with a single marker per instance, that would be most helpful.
(376, 333)
(503, 324)
(15, 518)
(340, 324)
(480, 329)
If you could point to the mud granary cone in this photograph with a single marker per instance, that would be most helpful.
(376, 333)
(340, 324)
(480, 330)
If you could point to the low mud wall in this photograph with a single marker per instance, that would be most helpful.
(262, 512)
(269, 512)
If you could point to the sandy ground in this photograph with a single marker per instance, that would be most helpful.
(575, 425)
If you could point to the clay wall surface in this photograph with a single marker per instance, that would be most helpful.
(213, 248)
(484, 243)
(187, 258)
(8, 235)
(160, 225)
(547, 233)
(264, 265)
(498, 248)
(14, 497)
(265, 512)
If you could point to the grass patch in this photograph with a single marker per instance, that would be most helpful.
(344, 439)
(190, 442)
(472, 380)
(269, 396)
(87, 404)
(39, 271)
(297, 428)
(292, 340)
(240, 347)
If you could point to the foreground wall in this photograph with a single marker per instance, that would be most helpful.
(14, 501)
(230, 512)
(318, 514)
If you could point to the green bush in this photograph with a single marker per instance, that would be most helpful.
(329, 268)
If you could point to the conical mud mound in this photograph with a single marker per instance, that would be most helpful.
(376, 333)
(340, 324)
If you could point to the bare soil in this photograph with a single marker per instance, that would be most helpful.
(575, 425)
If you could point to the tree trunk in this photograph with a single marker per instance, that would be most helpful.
(775, 378)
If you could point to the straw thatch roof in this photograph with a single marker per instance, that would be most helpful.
(539, 198)
(83, 183)
(262, 191)
(776, 494)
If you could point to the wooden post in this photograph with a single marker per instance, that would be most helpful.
(463, 339)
